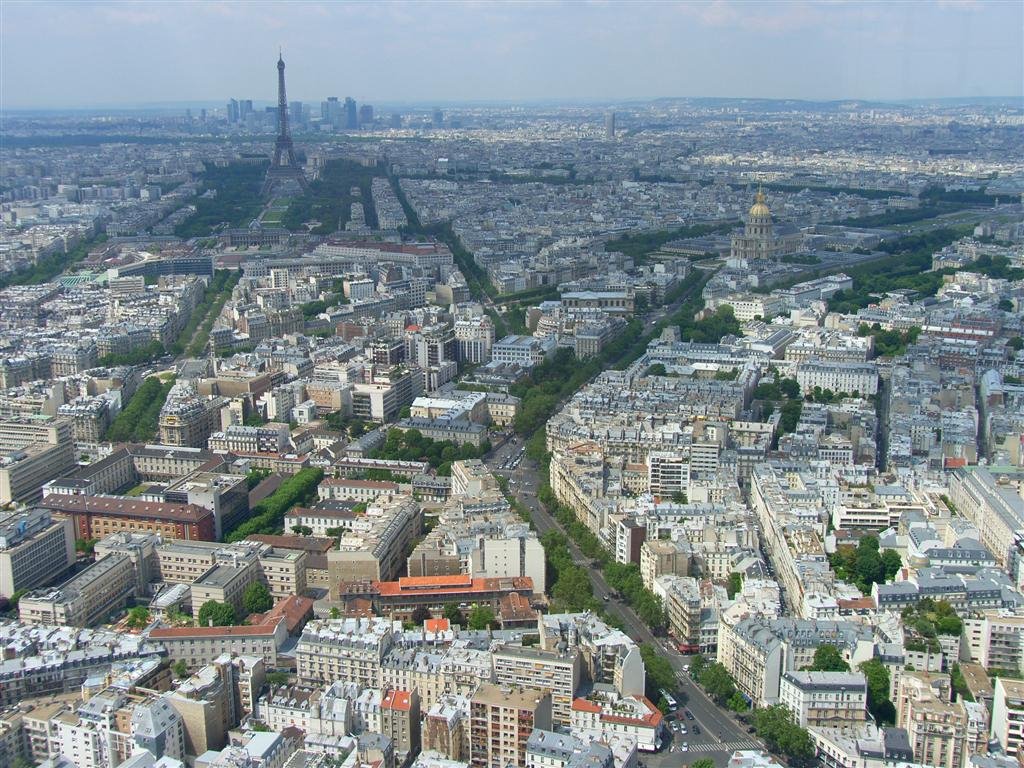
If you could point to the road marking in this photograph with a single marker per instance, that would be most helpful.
(731, 746)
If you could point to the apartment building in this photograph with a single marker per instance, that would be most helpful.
(757, 652)
(1008, 715)
(995, 508)
(35, 549)
(377, 551)
(86, 599)
(557, 672)
(502, 717)
(33, 451)
(400, 720)
(343, 649)
(937, 727)
(199, 646)
(606, 716)
(830, 699)
(995, 640)
(861, 378)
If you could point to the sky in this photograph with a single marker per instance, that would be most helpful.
(88, 54)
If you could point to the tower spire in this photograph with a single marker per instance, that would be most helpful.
(283, 168)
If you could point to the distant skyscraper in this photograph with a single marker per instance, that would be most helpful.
(438, 118)
(366, 114)
(284, 170)
(233, 111)
(244, 109)
(331, 112)
(396, 120)
(609, 125)
(296, 113)
(351, 114)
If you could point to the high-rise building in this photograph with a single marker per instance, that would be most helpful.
(366, 114)
(396, 120)
(351, 113)
(437, 118)
(609, 125)
(297, 113)
(244, 109)
(501, 720)
(233, 111)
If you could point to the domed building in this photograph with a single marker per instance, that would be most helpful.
(761, 239)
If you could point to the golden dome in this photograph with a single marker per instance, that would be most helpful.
(759, 209)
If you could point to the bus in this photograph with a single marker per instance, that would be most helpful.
(672, 705)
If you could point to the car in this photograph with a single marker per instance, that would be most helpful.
(684, 747)
(606, 598)
(689, 715)
(696, 729)
(682, 729)
(686, 667)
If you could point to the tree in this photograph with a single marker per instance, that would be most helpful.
(215, 614)
(302, 530)
(879, 704)
(276, 678)
(827, 658)
(718, 683)
(138, 617)
(420, 615)
(679, 497)
(734, 584)
(180, 669)
(660, 674)
(658, 369)
(335, 613)
(737, 703)
(453, 614)
(891, 564)
(85, 546)
(256, 598)
(704, 762)
(776, 726)
(482, 617)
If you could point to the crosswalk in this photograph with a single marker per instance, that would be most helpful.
(729, 746)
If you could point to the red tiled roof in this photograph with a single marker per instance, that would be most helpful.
(400, 700)
(437, 625)
(244, 630)
(125, 506)
(437, 585)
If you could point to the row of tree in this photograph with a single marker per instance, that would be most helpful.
(625, 579)
(138, 420)
(48, 267)
(268, 515)
(138, 356)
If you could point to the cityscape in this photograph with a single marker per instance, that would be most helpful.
(656, 429)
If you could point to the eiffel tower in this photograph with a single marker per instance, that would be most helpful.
(283, 173)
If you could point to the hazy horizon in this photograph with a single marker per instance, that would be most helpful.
(492, 53)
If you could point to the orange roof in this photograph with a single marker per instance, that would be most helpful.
(954, 462)
(397, 699)
(246, 630)
(294, 609)
(856, 603)
(437, 585)
(437, 625)
(421, 582)
(586, 705)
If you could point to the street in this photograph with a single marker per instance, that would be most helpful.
(720, 735)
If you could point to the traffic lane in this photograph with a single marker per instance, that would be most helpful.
(707, 714)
